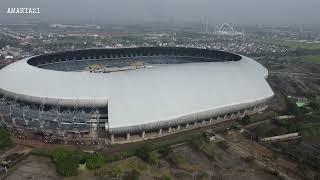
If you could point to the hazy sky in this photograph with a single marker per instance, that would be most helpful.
(217, 11)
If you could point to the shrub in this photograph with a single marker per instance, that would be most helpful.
(202, 175)
(60, 154)
(95, 161)
(67, 167)
(146, 154)
(5, 139)
(115, 172)
(164, 177)
(165, 151)
(175, 158)
(153, 158)
(245, 120)
(66, 162)
(197, 142)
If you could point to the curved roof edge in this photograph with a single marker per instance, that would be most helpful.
(55, 101)
(183, 119)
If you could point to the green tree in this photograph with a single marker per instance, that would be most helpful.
(67, 167)
(143, 152)
(245, 120)
(5, 139)
(146, 154)
(153, 158)
(176, 158)
(197, 141)
(314, 105)
(66, 162)
(95, 161)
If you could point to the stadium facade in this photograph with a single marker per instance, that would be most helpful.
(128, 94)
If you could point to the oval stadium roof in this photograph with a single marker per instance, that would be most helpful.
(144, 96)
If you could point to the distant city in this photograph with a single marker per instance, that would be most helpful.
(23, 40)
(159, 100)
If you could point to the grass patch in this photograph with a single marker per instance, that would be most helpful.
(313, 59)
(5, 139)
(176, 158)
(307, 58)
(149, 153)
(292, 44)
(67, 162)
(310, 130)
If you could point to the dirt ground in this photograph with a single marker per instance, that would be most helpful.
(226, 164)
(34, 168)
(16, 149)
(223, 166)
(241, 146)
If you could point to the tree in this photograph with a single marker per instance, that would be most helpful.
(197, 141)
(95, 161)
(66, 162)
(143, 152)
(5, 139)
(176, 158)
(146, 154)
(153, 158)
(60, 154)
(314, 105)
(245, 120)
(67, 167)
(165, 151)
(260, 131)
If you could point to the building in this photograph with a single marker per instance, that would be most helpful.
(177, 89)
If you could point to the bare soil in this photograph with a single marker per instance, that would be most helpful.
(37, 168)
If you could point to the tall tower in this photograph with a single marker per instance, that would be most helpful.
(207, 24)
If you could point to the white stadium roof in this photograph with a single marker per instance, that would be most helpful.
(144, 96)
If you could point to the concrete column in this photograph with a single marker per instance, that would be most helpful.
(105, 126)
(178, 128)
(128, 136)
(112, 138)
(187, 125)
(225, 117)
(169, 130)
(143, 134)
(210, 120)
(203, 121)
(195, 123)
(160, 132)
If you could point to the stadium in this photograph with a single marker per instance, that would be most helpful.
(128, 94)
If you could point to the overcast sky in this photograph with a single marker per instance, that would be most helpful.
(217, 11)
